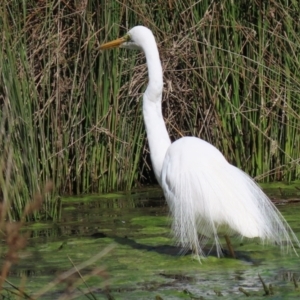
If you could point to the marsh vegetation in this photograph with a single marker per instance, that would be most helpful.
(71, 115)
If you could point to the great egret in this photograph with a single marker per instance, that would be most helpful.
(204, 192)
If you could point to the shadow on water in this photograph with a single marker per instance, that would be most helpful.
(177, 251)
(145, 263)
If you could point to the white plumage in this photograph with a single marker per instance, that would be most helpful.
(208, 193)
(204, 192)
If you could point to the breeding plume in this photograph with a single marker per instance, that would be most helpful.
(204, 192)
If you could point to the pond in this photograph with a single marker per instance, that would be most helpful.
(121, 248)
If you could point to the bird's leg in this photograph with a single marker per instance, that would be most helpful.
(194, 249)
(229, 246)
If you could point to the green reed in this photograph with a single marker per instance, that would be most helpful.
(72, 115)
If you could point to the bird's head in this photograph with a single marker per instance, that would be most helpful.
(136, 38)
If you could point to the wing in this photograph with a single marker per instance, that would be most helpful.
(205, 193)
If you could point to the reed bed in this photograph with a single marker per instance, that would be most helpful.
(73, 115)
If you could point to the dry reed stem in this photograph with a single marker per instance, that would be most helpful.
(14, 240)
(64, 276)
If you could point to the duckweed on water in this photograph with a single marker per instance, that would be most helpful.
(145, 264)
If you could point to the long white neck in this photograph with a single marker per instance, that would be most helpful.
(158, 138)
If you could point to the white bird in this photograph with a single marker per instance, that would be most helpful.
(204, 192)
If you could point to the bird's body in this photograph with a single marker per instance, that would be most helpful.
(207, 194)
(204, 192)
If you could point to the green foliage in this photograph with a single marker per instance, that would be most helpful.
(72, 115)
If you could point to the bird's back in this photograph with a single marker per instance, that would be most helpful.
(205, 192)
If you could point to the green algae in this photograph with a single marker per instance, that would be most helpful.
(282, 190)
(145, 264)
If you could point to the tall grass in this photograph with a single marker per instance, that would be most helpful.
(237, 75)
(72, 114)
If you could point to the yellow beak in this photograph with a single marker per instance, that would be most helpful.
(113, 44)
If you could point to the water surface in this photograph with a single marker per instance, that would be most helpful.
(144, 264)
